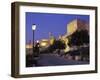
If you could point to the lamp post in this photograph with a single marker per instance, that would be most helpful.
(33, 28)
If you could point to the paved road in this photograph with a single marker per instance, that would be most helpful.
(53, 60)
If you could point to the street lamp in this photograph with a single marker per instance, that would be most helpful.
(33, 28)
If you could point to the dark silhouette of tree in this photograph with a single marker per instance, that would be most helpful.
(79, 38)
(58, 44)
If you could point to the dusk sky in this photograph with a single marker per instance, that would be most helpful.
(47, 22)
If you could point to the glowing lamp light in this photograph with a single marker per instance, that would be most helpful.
(33, 27)
(37, 41)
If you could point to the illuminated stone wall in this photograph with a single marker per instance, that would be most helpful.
(71, 27)
(44, 43)
(77, 24)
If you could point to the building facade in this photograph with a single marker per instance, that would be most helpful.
(72, 27)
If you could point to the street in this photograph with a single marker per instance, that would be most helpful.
(54, 60)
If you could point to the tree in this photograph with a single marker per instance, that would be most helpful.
(79, 38)
(58, 44)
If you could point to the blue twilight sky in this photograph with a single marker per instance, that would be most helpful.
(47, 22)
